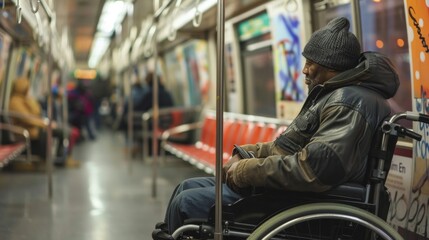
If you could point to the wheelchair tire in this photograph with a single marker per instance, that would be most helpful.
(288, 220)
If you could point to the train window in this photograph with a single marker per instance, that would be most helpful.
(384, 30)
(258, 76)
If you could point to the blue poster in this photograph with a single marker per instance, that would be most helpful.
(191, 66)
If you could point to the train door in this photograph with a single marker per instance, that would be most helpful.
(257, 66)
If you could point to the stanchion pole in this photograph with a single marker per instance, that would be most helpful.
(155, 117)
(49, 154)
(155, 107)
(219, 117)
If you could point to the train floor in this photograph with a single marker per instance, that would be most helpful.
(108, 197)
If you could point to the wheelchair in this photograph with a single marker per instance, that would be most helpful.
(349, 211)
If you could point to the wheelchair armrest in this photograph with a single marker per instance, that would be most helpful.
(348, 191)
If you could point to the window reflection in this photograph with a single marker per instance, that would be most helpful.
(384, 30)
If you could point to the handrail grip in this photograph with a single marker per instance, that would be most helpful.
(198, 16)
(34, 9)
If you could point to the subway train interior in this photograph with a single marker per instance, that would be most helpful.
(107, 105)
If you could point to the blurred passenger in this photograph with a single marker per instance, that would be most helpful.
(81, 109)
(72, 133)
(326, 145)
(100, 89)
(33, 120)
(138, 91)
(164, 96)
(143, 101)
(165, 100)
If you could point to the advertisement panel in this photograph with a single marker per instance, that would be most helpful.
(408, 181)
(288, 43)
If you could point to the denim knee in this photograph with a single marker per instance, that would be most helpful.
(177, 211)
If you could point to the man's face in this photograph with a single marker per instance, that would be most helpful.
(315, 74)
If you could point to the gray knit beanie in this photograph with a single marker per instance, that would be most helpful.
(333, 46)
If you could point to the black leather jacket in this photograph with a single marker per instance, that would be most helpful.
(328, 142)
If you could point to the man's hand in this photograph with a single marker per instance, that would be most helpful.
(228, 165)
(232, 185)
(229, 176)
(229, 180)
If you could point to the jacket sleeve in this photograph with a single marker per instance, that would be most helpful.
(260, 150)
(34, 107)
(27, 108)
(334, 154)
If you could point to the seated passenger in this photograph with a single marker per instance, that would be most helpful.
(326, 145)
(144, 103)
(137, 93)
(143, 97)
(165, 100)
(164, 96)
(21, 102)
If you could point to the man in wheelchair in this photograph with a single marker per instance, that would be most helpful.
(326, 145)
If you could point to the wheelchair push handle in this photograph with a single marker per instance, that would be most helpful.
(420, 117)
(408, 133)
(392, 128)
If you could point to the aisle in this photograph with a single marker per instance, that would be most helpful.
(100, 200)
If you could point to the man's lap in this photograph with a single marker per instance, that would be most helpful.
(199, 194)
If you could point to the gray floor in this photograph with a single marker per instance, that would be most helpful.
(109, 197)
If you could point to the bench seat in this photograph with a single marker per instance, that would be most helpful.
(9, 152)
(237, 129)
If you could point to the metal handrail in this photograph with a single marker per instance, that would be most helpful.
(198, 16)
(22, 131)
(172, 30)
(34, 9)
(146, 116)
(13, 114)
(18, 12)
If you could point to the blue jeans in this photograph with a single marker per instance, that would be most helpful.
(193, 198)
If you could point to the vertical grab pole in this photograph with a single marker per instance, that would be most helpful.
(130, 120)
(155, 115)
(356, 15)
(49, 156)
(49, 162)
(130, 116)
(219, 118)
(155, 107)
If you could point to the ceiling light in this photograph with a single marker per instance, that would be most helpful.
(99, 47)
(112, 15)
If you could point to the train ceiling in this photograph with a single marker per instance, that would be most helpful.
(77, 20)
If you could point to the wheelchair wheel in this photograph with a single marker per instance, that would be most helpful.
(324, 221)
